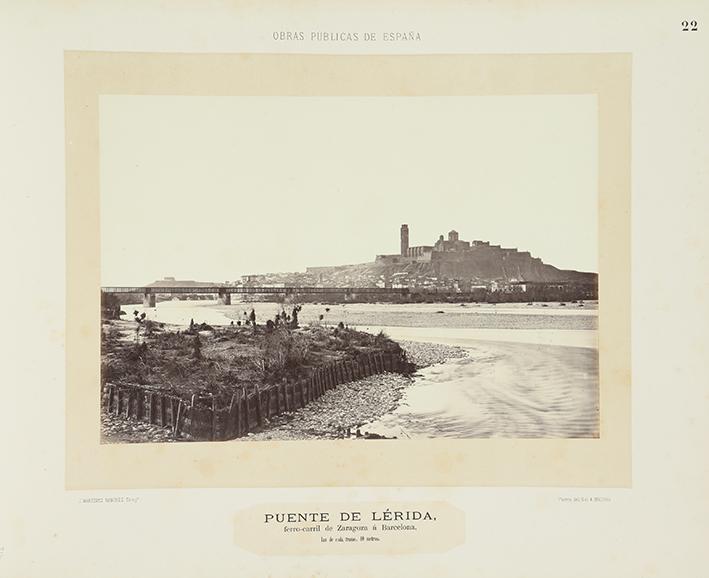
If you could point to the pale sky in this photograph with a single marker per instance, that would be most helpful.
(212, 188)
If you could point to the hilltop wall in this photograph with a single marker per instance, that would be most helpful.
(492, 263)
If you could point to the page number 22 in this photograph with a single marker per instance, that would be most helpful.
(689, 25)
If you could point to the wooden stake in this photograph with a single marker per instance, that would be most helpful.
(140, 406)
(214, 418)
(259, 408)
(239, 411)
(176, 429)
(163, 416)
(193, 415)
(229, 429)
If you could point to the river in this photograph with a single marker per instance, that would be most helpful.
(529, 371)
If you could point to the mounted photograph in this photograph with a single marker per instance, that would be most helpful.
(360, 268)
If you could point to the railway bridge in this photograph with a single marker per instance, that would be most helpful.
(224, 292)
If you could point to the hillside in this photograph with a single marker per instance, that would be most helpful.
(469, 271)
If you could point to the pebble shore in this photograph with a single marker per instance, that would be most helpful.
(339, 412)
(424, 354)
(115, 430)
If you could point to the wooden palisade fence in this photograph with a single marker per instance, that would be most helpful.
(201, 418)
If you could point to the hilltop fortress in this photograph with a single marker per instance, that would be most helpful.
(479, 261)
(454, 265)
(450, 270)
(474, 270)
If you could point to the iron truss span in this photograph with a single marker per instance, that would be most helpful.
(255, 290)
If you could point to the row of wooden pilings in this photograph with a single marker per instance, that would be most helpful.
(201, 418)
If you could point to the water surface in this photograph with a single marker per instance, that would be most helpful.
(529, 372)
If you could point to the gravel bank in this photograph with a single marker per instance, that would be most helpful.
(115, 430)
(346, 406)
(425, 354)
(339, 412)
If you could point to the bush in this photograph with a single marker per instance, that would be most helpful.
(283, 355)
(381, 338)
(110, 306)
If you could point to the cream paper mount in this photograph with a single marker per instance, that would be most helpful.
(602, 462)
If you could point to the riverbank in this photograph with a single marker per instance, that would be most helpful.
(221, 361)
(115, 430)
(252, 364)
(341, 412)
(529, 370)
(538, 316)
(483, 316)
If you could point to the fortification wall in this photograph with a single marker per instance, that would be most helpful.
(483, 262)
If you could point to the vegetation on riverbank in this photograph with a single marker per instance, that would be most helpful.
(220, 361)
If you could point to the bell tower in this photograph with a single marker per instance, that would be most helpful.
(404, 240)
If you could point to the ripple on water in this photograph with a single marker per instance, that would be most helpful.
(512, 390)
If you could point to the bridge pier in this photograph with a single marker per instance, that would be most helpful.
(148, 299)
(224, 298)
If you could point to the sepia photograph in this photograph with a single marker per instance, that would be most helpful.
(395, 290)
(364, 268)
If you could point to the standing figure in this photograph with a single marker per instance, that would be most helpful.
(294, 316)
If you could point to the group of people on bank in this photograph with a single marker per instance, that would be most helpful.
(281, 319)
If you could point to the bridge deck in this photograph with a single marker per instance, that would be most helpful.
(220, 289)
